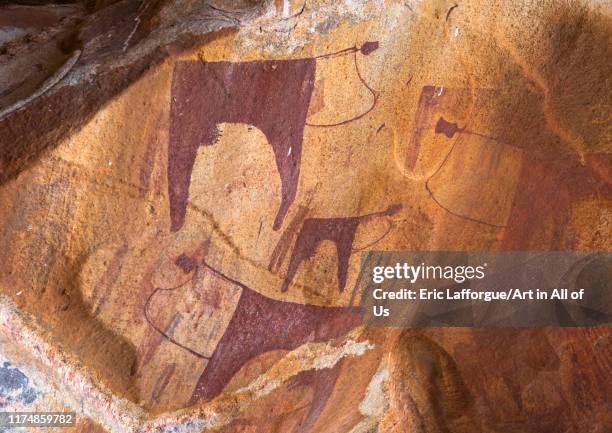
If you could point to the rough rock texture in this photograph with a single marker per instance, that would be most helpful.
(186, 188)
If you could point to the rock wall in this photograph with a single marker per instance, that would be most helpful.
(187, 188)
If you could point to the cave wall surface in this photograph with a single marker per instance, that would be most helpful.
(186, 189)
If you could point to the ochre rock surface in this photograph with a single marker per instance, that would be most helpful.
(187, 188)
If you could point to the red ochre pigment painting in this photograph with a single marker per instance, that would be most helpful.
(273, 96)
(564, 177)
(341, 231)
(261, 324)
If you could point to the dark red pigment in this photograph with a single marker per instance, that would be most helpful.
(261, 324)
(447, 128)
(425, 106)
(545, 198)
(366, 49)
(431, 101)
(341, 231)
(186, 263)
(369, 47)
(322, 383)
(271, 95)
